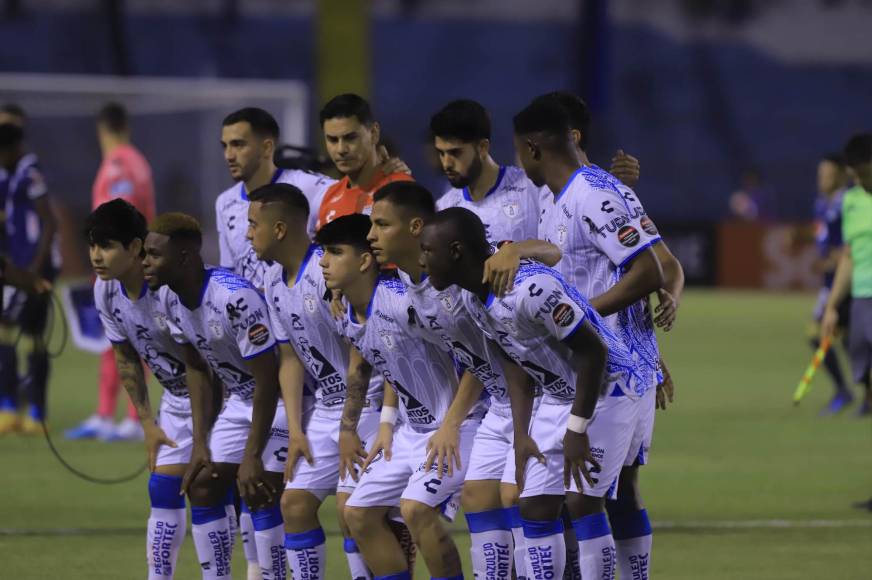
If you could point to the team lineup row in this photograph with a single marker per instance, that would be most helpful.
(406, 361)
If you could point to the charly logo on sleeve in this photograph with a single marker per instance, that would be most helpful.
(258, 334)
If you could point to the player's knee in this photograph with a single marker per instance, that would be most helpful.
(541, 508)
(510, 496)
(206, 490)
(357, 519)
(584, 505)
(480, 496)
(416, 514)
(295, 507)
(629, 498)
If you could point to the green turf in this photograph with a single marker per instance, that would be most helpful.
(731, 449)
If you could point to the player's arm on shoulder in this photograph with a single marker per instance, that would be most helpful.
(390, 164)
(669, 295)
(501, 268)
(642, 275)
(625, 167)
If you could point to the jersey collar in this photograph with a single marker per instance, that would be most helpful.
(568, 183)
(500, 175)
(243, 195)
(306, 258)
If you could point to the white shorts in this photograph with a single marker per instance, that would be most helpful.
(174, 418)
(641, 442)
(230, 434)
(610, 431)
(385, 483)
(322, 430)
(492, 450)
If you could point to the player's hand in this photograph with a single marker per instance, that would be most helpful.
(351, 454)
(500, 270)
(337, 309)
(829, 322)
(625, 167)
(154, 438)
(525, 448)
(666, 389)
(666, 311)
(256, 489)
(298, 446)
(382, 445)
(391, 164)
(576, 453)
(201, 460)
(443, 449)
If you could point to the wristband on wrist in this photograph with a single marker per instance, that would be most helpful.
(389, 415)
(577, 424)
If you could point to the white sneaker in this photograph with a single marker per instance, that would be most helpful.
(254, 571)
(93, 427)
(127, 430)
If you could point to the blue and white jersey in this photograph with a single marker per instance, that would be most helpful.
(423, 374)
(299, 310)
(229, 326)
(441, 318)
(509, 211)
(532, 322)
(143, 323)
(828, 229)
(600, 225)
(18, 192)
(231, 218)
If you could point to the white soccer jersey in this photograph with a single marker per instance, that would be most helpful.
(423, 374)
(301, 316)
(600, 225)
(441, 317)
(142, 323)
(231, 217)
(229, 326)
(509, 211)
(531, 323)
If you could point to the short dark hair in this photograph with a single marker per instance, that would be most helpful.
(346, 106)
(262, 123)
(14, 109)
(465, 225)
(408, 195)
(288, 196)
(465, 119)
(542, 116)
(179, 227)
(577, 111)
(858, 150)
(115, 220)
(835, 158)
(11, 135)
(114, 117)
(350, 230)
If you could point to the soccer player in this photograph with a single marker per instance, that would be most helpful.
(28, 235)
(854, 272)
(13, 113)
(437, 413)
(123, 174)
(133, 321)
(547, 328)
(351, 135)
(832, 182)
(299, 305)
(489, 494)
(606, 239)
(249, 138)
(223, 324)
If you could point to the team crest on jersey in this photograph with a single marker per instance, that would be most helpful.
(446, 302)
(216, 328)
(310, 303)
(388, 339)
(161, 320)
(512, 209)
(509, 324)
(561, 234)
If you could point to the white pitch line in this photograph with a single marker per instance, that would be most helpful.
(700, 525)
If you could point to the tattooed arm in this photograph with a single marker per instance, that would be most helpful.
(133, 378)
(351, 451)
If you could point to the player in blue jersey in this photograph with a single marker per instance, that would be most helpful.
(223, 325)
(28, 235)
(585, 423)
(135, 324)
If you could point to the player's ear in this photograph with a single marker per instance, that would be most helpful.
(415, 226)
(483, 148)
(375, 132)
(269, 147)
(454, 250)
(575, 135)
(367, 261)
(534, 149)
(280, 230)
(135, 247)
